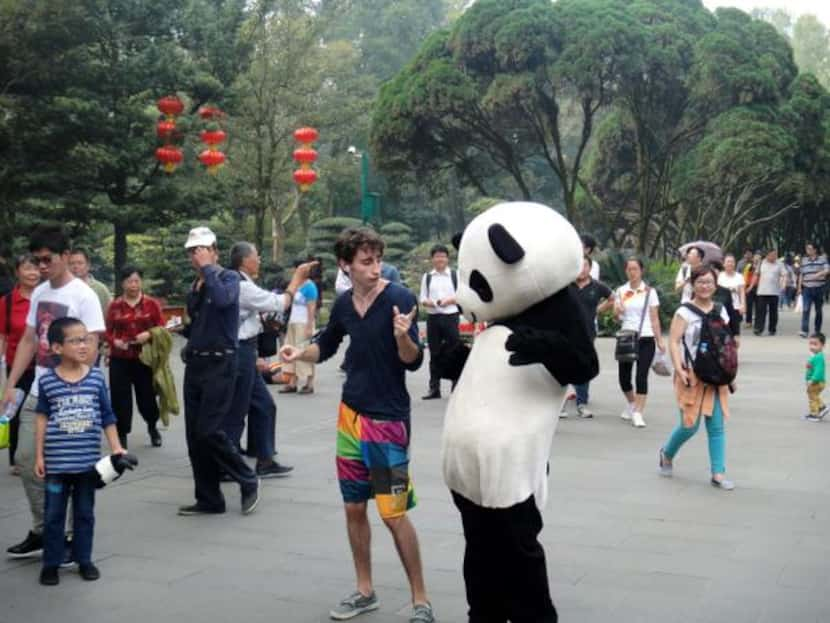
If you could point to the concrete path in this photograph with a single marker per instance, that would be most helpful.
(623, 544)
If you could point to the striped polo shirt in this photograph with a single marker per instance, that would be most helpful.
(810, 270)
(76, 413)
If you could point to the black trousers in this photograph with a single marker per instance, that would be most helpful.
(441, 329)
(25, 383)
(208, 393)
(750, 306)
(127, 375)
(645, 356)
(765, 304)
(504, 564)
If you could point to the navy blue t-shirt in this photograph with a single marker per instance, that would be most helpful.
(214, 311)
(375, 385)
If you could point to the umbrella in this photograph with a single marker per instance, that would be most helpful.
(711, 251)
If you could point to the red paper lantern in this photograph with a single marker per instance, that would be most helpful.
(213, 137)
(210, 112)
(170, 157)
(212, 159)
(305, 155)
(165, 129)
(306, 136)
(170, 106)
(305, 178)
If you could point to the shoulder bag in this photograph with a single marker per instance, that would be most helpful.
(627, 347)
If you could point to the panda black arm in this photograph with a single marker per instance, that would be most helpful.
(564, 346)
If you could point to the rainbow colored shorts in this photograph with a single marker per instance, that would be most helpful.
(373, 462)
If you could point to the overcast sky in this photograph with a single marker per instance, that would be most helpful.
(820, 9)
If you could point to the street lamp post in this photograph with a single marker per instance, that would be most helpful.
(369, 201)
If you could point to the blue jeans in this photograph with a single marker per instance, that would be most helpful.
(582, 393)
(59, 488)
(252, 398)
(715, 432)
(811, 296)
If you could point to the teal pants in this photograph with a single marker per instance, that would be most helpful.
(717, 438)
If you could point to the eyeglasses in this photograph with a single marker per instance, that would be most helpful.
(77, 341)
(44, 260)
(704, 282)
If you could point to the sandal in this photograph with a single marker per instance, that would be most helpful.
(288, 389)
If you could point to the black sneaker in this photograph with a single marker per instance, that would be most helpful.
(49, 576)
(198, 509)
(250, 499)
(273, 470)
(30, 547)
(68, 556)
(431, 396)
(89, 572)
(155, 438)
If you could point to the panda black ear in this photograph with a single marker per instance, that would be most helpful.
(504, 245)
(456, 240)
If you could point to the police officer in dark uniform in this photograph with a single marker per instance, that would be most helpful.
(210, 358)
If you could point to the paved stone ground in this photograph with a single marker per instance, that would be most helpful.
(623, 544)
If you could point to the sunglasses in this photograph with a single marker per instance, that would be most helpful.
(42, 260)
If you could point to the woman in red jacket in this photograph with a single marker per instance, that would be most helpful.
(129, 320)
(14, 307)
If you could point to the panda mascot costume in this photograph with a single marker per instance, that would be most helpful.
(516, 264)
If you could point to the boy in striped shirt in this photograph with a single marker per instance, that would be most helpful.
(73, 407)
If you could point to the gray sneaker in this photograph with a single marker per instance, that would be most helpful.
(422, 613)
(354, 604)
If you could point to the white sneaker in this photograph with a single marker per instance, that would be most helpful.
(626, 414)
(637, 420)
(584, 412)
(563, 413)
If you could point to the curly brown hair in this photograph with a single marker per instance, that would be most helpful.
(353, 239)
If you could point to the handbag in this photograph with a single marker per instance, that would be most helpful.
(627, 347)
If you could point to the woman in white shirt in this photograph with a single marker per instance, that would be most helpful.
(734, 282)
(695, 398)
(629, 300)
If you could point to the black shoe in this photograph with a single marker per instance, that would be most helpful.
(250, 499)
(431, 396)
(89, 572)
(155, 437)
(68, 556)
(198, 509)
(771, 333)
(30, 547)
(273, 470)
(49, 576)
(758, 333)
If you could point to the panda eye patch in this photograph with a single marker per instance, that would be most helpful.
(504, 245)
(479, 285)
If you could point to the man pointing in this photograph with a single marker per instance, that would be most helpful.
(373, 425)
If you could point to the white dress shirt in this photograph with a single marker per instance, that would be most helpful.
(253, 300)
(342, 282)
(440, 288)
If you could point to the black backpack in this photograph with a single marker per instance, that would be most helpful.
(716, 362)
(453, 276)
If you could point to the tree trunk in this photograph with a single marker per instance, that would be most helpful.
(259, 225)
(119, 248)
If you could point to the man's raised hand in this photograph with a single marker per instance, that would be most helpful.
(289, 353)
(402, 322)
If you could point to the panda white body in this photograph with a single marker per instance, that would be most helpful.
(499, 426)
(501, 417)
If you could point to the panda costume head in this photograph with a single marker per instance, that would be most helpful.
(512, 257)
(516, 265)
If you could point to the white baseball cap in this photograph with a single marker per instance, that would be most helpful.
(200, 237)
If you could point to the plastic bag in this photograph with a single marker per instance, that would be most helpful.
(661, 364)
(799, 305)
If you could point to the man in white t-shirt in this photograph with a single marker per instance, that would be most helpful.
(772, 279)
(61, 295)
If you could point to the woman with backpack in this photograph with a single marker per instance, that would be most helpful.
(705, 361)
